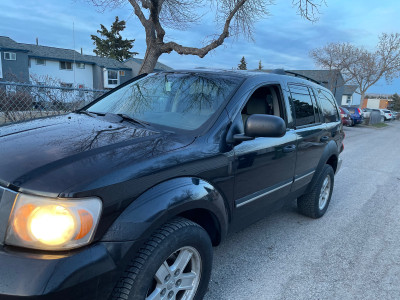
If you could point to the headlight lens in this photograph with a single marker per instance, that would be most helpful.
(52, 224)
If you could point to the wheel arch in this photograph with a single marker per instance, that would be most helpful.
(189, 197)
(330, 156)
(206, 219)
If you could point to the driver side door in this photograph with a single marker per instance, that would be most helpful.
(264, 167)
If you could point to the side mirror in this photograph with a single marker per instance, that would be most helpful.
(262, 126)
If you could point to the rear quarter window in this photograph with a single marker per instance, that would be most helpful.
(328, 107)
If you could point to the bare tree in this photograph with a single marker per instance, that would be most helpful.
(234, 17)
(360, 66)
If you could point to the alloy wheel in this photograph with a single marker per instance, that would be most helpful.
(325, 191)
(178, 277)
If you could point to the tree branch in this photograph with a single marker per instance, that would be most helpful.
(139, 13)
(201, 52)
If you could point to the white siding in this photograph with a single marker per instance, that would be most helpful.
(356, 99)
(373, 103)
(52, 70)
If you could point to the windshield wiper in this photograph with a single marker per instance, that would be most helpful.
(133, 120)
(89, 113)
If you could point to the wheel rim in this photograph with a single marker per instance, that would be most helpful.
(178, 277)
(325, 191)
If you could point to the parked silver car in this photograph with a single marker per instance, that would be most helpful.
(366, 112)
(387, 114)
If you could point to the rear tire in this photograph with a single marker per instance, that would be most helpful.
(175, 263)
(315, 203)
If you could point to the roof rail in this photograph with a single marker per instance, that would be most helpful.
(302, 76)
(284, 72)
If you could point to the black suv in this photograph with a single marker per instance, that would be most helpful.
(125, 198)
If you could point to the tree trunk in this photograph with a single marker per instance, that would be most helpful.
(150, 60)
(362, 99)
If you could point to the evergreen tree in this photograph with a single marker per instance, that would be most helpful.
(260, 66)
(243, 64)
(396, 102)
(112, 45)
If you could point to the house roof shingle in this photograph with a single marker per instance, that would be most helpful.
(60, 54)
(322, 76)
(159, 66)
(349, 89)
(7, 43)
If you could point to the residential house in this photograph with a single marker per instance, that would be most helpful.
(30, 63)
(331, 79)
(136, 63)
(350, 97)
(377, 101)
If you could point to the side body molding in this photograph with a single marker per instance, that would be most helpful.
(165, 201)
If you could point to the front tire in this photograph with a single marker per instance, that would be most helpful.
(175, 263)
(315, 203)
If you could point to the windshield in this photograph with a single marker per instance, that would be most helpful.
(178, 100)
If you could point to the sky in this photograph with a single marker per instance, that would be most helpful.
(281, 40)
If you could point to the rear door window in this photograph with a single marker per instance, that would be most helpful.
(328, 107)
(304, 107)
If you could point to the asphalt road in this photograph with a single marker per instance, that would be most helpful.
(353, 252)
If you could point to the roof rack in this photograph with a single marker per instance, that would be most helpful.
(284, 72)
(302, 76)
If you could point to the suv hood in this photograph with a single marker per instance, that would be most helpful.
(47, 156)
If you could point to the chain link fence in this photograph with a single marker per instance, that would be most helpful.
(20, 102)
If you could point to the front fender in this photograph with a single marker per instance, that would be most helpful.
(163, 202)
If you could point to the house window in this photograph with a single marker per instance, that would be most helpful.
(348, 99)
(65, 85)
(11, 89)
(121, 73)
(112, 77)
(80, 65)
(10, 56)
(65, 65)
(40, 61)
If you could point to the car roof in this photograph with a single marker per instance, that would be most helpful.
(273, 75)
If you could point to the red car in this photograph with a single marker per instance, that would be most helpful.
(346, 117)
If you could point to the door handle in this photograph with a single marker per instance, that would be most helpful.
(324, 139)
(289, 148)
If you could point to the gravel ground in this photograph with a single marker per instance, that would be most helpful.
(353, 252)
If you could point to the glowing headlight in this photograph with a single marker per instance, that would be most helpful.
(52, 224)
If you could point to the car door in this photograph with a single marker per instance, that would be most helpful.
(264, 167)
(311, 131)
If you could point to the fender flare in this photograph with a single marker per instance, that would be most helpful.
(165, 201)
(330, 151)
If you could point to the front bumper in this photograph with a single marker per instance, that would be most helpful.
(90, 273)
(86, 273)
